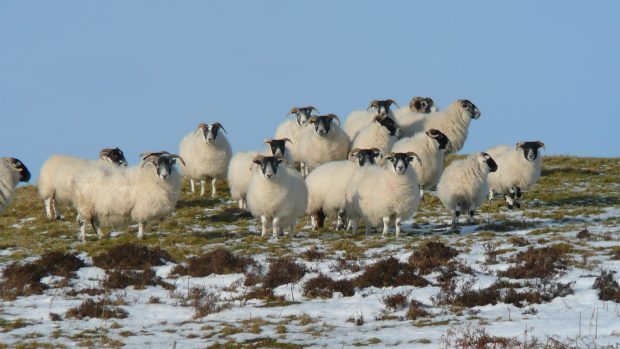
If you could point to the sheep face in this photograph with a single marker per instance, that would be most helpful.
(486, 159)
(400, 161)
(163, 162)
(389, 124)
(530, 149)
(268, 165)
(322, 123)
(278, 146)
(441, 139)
(302, 114)
(470, 109)
(365, 156)
(114, 156)
(422, 105)
(382, 107)
(210, 132)
(19, 167)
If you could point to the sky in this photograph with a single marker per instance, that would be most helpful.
(78, 76)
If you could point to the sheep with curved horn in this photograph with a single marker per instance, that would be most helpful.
(321, 141)
(359, 119)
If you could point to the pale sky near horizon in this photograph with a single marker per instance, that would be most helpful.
(77, 76)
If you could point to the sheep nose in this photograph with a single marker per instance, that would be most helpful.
(269, 175)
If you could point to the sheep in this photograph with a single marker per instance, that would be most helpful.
(321, 143)
(384, 194)
(240, 169)
(452, 121)
(55, 179)
(382, 134)
(278, 195)
(464, 184)
(327, 186)
(431, 147)
(518, 170)
(292, 128)
(114, 196)
(419, 107)
(12, 171)
(207, 153)
(358, 119)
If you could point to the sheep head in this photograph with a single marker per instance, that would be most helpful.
(277, 146)
(322, 123)
(19, 167)
(441, 139)
(469, 108)
(382, 106)
(422, 105)
(302, 114)
(365, 156)
(268, 165)
(400, 161)
(114, 156)
(163, 162)
(211, 131)
(488, 160)
(389, 124)
(530, 149)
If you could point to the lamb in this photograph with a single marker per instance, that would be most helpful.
(114, 196)
(12, 171)
(384, 194)
(519, 169)
(240, 169)
(327, 186)
(55, 179)
(292, 128)
(358, 119)
(278, 195)
(464, 184)
(207, 153)
(381, 134)
(431, 147)
(324, 142)
(419, 107)
(452, 121)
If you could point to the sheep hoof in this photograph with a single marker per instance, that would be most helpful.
(517, 205)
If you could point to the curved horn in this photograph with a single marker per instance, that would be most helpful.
(540, 144)
(312, 119)
(104, 152)
(286, 140)
(389, 155)
(293, 110)
(333, 116)
(519, 145)
(218, 125)
(267, 141)
(373, 103)
(433, 133)
(376, 150)
(415, 156)
(203, 126)
(175, 156)
(311, 108)
(391, 101)
(258, 159)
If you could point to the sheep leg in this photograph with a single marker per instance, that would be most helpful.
(276, 227)
(48, 208)
(314, 221)
(397, 226)
(203, 184)
(241, 204)
(386, 226)
(141, 229)
(455, 220)
(470, 219)
(341, 219)
(354, 224)
(518, 195)
(55, 208)
(510, 198)
(265, 224)
(82, 231)
(421, 187)
(491, 195)
(192, 186)
(213, 188)
(97, 227)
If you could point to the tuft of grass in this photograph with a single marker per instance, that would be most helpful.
(395, 301)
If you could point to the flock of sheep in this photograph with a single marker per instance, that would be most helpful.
(374, 169)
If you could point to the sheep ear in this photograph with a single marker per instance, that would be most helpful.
(353, 154)
(312, 119)
(540, 144)
(391, 101)
(333, 116)
(258, 159)
(267, 141)
(294, 110)
(519, 145)
(287, 140)
(218, 125)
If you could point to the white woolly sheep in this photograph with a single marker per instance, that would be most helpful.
(518, 170)
(419, 107)
(464, 185)
(12, 171)
(207, 153)
(383, 194)
(452, 121)
(381, 134)
(292, 128)
(327, 186)
(278, 195)
(55, 178)
(115, 196)
(430, 146)
(240, 169)
(358, 119)
(321, 141)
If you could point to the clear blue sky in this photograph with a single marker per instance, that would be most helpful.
(76, 76)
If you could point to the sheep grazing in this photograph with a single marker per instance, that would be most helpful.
(327, 186)
(292, 128)
(419, 107)
(452, 121)
(359, 119)
(207, 153)
(55, 179)
(240, 169)
(115, 196)
(431, 147)
(12, 171)
(464, 184)
(518, 170)
(384, 194)
(381, 134)
(278, 195)
(321, 141)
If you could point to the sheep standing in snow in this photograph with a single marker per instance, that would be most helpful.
(358, 119)
(518, 170)
(431, 147)
(241, 167)
(115, 196)
(464, 184)
(278, 195)
(322, 141)
(55, 179)
(419, 107)
(453, 122)
(384, 194)
(206, 152)
(12, 171)
(291, 129)
(381, 134)
(327, 186)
